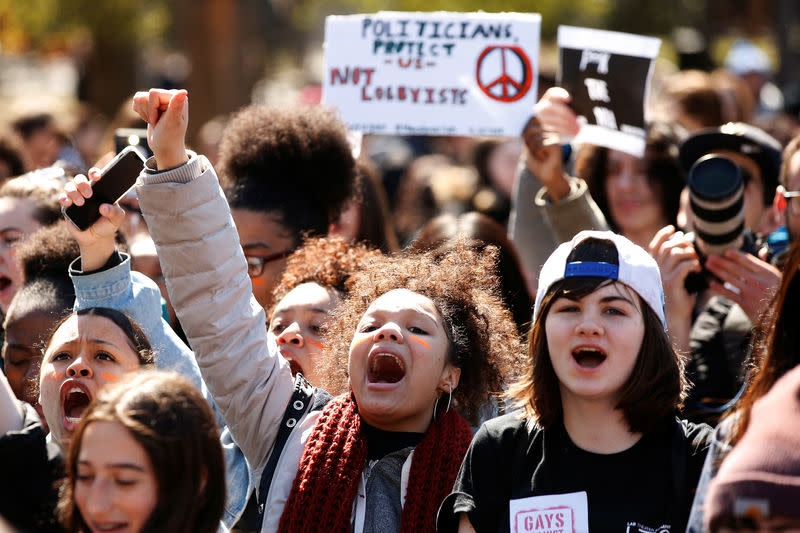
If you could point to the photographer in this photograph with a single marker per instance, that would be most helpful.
(707, 324)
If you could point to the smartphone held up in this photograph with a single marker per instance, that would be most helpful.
(116, 179)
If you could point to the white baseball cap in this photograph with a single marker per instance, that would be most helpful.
(634, 267)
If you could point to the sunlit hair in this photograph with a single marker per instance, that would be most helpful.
(653, 391)
(328, 261)
(463, 285)
(173, 423)
(791, 149)
(137, 340)
(293, 163)
(776, 347)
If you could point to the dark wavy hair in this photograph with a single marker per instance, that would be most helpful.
(294, 163)
(463, 286)
(664, 172)
(375, 224)
(173, 423)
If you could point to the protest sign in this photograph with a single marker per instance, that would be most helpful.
(607, 74)
(432, 73)
(558, 513)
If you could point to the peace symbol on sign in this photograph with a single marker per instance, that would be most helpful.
(514, 69)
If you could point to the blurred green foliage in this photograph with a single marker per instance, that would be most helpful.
(49, 24)
(42, 24)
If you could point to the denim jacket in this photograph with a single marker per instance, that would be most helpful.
(137, 296)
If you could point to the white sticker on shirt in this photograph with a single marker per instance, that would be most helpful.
(635, 527)
(555, 513)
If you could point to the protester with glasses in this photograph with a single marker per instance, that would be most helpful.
(788, 197)
(287, 174)
(256, 263)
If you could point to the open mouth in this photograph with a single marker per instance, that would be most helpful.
(5, 282)
(588, 357)
(295, 367)
(384, 367)
(75, 398)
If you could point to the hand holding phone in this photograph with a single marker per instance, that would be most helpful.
(115, 180)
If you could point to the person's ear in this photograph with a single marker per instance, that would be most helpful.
(450, 378)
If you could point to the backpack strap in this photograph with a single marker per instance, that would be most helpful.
(305, 399)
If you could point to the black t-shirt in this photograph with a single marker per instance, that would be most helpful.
(647, 488)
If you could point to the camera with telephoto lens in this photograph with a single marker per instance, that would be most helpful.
(716, 196)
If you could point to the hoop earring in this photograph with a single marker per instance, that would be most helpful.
(436, 405)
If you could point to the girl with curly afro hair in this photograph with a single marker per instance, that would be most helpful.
(460, 287)
(287, 174)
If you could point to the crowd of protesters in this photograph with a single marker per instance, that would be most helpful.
(292, 333)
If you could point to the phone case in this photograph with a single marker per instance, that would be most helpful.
(116, 179)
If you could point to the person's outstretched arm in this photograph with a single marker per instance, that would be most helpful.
(206, 275)
(548, 206)
(102, 277)
(198, 247)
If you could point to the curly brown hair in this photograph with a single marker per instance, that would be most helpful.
(48, 251)
(464, 287)
(293, 162)
(328, 261)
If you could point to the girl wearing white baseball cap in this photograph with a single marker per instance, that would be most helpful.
(597, 433)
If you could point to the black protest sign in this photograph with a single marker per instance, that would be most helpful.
(607, 80)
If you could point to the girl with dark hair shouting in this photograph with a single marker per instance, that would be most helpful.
(597, 435)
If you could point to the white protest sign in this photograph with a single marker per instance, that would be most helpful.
(432, 73)
(607, 74)
(557, 513)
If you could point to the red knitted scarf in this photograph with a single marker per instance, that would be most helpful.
(335, 454)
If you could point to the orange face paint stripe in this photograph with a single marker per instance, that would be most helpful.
(257, 282)
(422, 342)
(13, 375)
(109, 377)
(316, 344)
